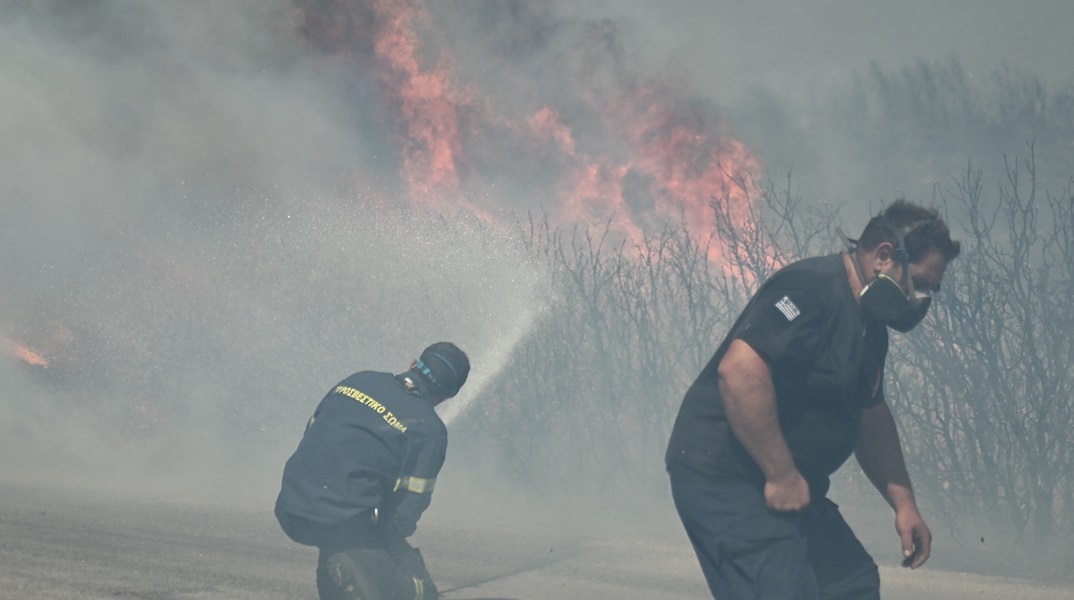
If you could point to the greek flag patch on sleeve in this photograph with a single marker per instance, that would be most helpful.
(788, 308)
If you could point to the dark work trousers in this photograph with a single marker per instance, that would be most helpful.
(379, 553)
(747, 551)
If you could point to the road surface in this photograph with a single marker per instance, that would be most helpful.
(63, 544)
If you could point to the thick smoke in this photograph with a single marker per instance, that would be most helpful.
(208, 215)
(868, 101)
(198, 237)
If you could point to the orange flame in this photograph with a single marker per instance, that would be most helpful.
(688, 160)
(24, 353)
(430, 103)
(668, 160)
(684, 167)
(547, 124)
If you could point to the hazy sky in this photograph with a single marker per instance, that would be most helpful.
(729, 45)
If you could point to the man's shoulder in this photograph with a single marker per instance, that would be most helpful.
(816, 266)
(375, 384)
(809, 274)
(383, 387)
(366, 377)
(815, 287)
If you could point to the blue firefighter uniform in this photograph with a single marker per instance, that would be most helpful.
(364, 472)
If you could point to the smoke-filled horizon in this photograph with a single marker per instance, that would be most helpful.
(201, 235)
(800, 49)
(214, 211)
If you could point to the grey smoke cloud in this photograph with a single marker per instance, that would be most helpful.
(201, 225)
(197, 233)
(801, 47)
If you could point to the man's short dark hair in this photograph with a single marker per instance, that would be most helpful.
(445, 367)
(927, 231)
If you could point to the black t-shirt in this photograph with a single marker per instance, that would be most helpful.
(826, 358)
(370, 444)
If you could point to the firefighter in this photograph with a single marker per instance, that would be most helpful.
(795, 388)
(363, 474)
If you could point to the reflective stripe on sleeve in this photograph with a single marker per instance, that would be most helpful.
(417, 485)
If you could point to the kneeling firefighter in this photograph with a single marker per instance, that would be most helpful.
(364, 473)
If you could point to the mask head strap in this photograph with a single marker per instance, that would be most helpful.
(428, 373)
(904, 254)
(901, 253)
(852, 246)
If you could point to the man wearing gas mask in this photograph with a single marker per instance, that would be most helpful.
(795, 388)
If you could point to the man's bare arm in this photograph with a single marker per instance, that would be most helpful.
(879, 453)
(750, 402)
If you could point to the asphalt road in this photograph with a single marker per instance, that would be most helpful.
(64, 544)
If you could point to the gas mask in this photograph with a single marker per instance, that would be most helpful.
(883, 298)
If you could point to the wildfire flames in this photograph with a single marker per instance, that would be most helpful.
(618, 150)
(576, 134)
(24, 353)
